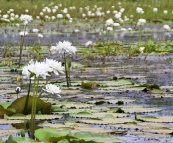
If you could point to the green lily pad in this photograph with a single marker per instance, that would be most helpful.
(28, 117)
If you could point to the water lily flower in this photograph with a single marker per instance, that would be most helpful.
(155, 9)
(23, 33)
(38, 69)
(17, 24)
(26, 18)
(166, 27)
(141, 49)
(123, 29)
(109, 22)
(88, 43)
(141, 22)
(26, 10)
(109, 28)
(18, 89)
(139, 10)
(116, 24)
(35, 30)
(53, 49)
(40, 36)
(59, 16)
(55, 66)
(53, 89)
(130, 29)
(165, 12)
(66, 47)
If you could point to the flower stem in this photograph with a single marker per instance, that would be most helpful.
(139, 37)
(27, 99)
(21, 45)
(41, 92)
(34, 105)
(66, 71)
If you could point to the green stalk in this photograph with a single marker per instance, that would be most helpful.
(139, 37)
(27, 99)
(41, 92)
(21, 45)
(32, 112)
(66, 72)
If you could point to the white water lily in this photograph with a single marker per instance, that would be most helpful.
(53, 89)
(165, 12)
(23, 33)
(139, 10)
(109, 28)
(155, 9)
(65, 47)
(55, 66)
(109, 22)
(88, 43)
(141, 22)
(166, 27)
(35, 30)
(26, 18)
(39, 69)
(40, 36)
(141, 49)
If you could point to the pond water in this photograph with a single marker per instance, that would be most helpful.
(154, 69)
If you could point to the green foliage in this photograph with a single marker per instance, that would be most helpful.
(53, 135)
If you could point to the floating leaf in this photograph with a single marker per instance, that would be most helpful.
(28, 117)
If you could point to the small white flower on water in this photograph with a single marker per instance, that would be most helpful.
(122, 10)
(23, 33)
(53, 49)
(141, 22)
(130, 29)
(123, 29)
(88, 43)
(165, 12)
(26, 18)
(116, 24)
(118, 15)
(59, 16)
(139, 10)
(109, 22)
(166, 27)
(38, 69)
(40, 36)
(37, 17)
(109, 28)
(141, 49)
(26, 10)
(41, 13)
(17, 24)
(76, 30)
(108, 12)
(155, 9)
(65, 47)
(31, 61)
(53, 89)
(16, 16)
(55, 66)
(35, 30)
(18, 89)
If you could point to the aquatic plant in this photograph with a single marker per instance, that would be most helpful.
(66, 49)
